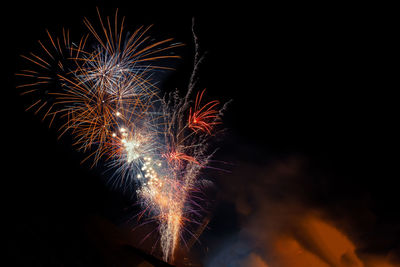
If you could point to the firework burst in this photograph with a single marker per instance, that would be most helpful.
(104, 90)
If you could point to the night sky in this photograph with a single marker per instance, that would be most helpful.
(310, 139)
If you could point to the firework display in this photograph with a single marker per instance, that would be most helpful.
(103, 91)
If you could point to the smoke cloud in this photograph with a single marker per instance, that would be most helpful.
(287, 219)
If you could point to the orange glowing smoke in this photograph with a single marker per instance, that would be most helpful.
(315, 243)
(320, 245)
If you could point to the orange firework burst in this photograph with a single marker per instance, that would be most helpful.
(96, 90)
(114, 79)
(43, 82)
(203, 118)
(90, 116)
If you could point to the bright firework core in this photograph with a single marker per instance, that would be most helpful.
(131, 146)
(132, 150)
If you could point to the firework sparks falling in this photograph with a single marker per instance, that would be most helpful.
(203, 118)
(103, 88)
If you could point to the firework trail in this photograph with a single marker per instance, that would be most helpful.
(103, 91)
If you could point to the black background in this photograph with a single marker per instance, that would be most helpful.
(316, 81)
